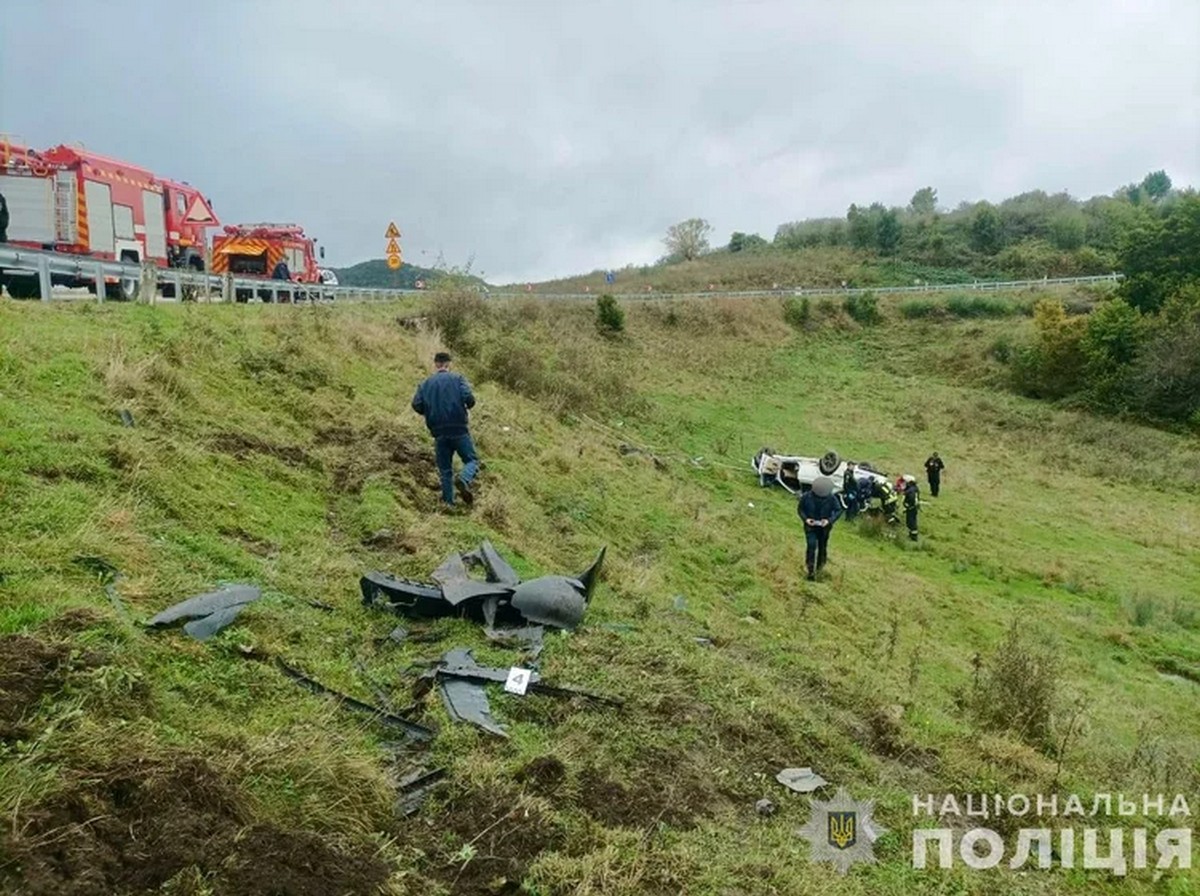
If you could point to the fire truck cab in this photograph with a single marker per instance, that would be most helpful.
(256, 250)
(70, 200)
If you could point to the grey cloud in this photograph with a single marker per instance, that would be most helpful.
(550, 138)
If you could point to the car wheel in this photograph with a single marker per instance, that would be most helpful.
(829, 463)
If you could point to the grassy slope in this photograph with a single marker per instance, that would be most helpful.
(762, 269)
(272, 444)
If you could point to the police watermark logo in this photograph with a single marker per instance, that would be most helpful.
(842, 831)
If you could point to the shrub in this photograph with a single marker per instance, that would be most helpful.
(1142, 611)
(797, 312)
(1018, 688)
(1052, 365)
(609, 315)
(914, 309)
(453, 312)
(980, 306)
(863, 308)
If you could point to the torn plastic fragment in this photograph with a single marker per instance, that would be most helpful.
(801, 780)
(413, 789)
(558, 601)
(126, 417)
(412, 729)
(209, 612)
(204, 628)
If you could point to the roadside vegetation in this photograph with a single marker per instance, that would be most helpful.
(274, 445)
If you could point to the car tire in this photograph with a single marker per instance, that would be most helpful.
(829, 463)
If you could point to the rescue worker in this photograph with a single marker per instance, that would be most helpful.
(933, 470)
(889, 501)
(444, 399)
(3, 219)
(819, 509)
(850, 491)
(912, 503)
(281, 271)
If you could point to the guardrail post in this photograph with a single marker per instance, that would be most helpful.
(148, 288)
(44, 282)
(98, 275)
(178, 284)
(227, 288)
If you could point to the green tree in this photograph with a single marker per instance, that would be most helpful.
(1159, 256)
(923, 202)
(861, 227)
(888, 231)
(688, 239)
(1068, 229)
(1156, 185)
(987, 231)
(1111, 343)
(740, 242)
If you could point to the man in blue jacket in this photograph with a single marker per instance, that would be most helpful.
(819, 508)
(443, 400)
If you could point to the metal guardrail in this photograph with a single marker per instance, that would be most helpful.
(57, 268)
(52, 267)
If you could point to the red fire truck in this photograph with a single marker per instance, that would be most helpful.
(255, 250)
(70, 200)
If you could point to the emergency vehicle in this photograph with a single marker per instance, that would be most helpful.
(255, 250)
(68, 199)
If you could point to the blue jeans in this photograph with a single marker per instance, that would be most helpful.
(444, 449)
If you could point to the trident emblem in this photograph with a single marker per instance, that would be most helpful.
(843, 829)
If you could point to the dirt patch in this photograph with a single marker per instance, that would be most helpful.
(483, 843)
(133, 826)
(72, 622)
(29, 669)
(298, 863)
(242, 445)
(354, 454)
(543, 775)
(664, 789)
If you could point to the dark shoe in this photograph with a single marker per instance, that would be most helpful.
(464, 490)
(812, 576)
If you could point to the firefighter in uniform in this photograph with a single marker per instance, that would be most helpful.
(889, 501)
(912, 503)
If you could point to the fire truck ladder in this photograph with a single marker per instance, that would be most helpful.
(65, 207)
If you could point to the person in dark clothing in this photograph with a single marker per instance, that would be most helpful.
(444, 400)
(281, 271)
(819, 509)
(850, 491)
(912, 503)
(3, 219)
(933, 469)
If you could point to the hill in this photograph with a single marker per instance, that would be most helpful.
(1042, 637)
(376, 274)
(1028, 236)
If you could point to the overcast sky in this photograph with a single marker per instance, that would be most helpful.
(549, 137)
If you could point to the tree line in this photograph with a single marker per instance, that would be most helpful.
(1034, 234)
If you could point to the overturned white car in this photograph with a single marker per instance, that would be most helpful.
(796, 473)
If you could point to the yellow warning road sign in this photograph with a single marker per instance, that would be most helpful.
(393, 261)
(393, 247)
(393, 232)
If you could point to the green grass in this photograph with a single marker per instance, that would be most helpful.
(275, 445)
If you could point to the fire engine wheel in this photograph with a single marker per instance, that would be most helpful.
(20, 287)
(125, 289)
